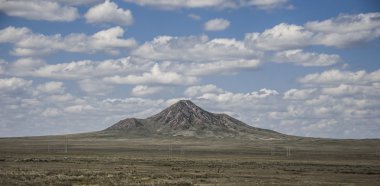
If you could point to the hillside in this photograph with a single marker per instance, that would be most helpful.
(184, 118)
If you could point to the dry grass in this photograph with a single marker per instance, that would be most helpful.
(144, 161)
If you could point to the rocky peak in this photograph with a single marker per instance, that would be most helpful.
(183, 114)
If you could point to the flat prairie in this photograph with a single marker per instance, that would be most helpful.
(88, 159)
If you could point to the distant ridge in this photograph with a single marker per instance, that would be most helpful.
(184, 118)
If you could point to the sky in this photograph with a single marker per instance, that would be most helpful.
(307, 68)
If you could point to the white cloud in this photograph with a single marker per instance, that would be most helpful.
(13, 84)
(164, 4)
(346, 23)
(143, 90)
(87, 69)
(338, 77)
(60, 98)
(199, 56)
(229, 97)
(78, 3)
(39, 10)
(194, 16)
(24, 66)
(12, 34)
(282, 36)
(186, 56)
(346, 30)
(351, 98)
(216, 24)
(126, 70)
(155, 76)
(51, 112)
(3, 65)
(77, 108)
(95, 86)
(27, 43)
(194, 91)
(51, 87)
(194, 49)
(135, 107)
(269, 4)
(345, 89)
(110, 39)
(307, 59)
(220, 67)
(299, 94)
(109, 12)
(218, 4)
(343, 31)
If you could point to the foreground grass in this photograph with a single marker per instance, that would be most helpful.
(185, 161)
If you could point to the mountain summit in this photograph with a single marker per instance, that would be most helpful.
(184, 118)
(183, 115)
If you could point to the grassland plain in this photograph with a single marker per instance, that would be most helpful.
(94, 159)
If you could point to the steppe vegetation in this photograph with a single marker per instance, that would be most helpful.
(92, 159)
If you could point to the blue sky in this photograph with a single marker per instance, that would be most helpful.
(306, 68)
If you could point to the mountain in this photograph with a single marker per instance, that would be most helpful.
(184, 118)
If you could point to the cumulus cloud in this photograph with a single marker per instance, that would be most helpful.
(351, 98)
(135, 107)
(330, 32)
(219, 4)
(78, 3)
(90, 73)
(343, 31)
(346, 30)
(27, 43)
(155, 76)
(109, 12)
(220, 67)
(95, 86)
(13, 84)
(202, 89)
(87, 69)
(96, 77)
(194, 49)
(51, 112)
(24, 66)
(269, 4)
(12, 34)
(282, 36)
(181, 4)
(346, 89)
(3, 65)
(307, 59)
(39, 10)
(216, 24)
(51, 87)
(338, 76)
(77, 108)
(61, 98)
(346, 23)
(299, 94)
(229, 97)
(194, 16)
(143, 90)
